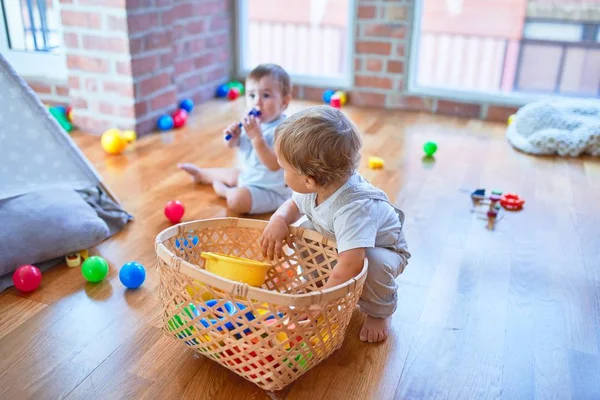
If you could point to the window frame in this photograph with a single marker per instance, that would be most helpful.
(345, 82)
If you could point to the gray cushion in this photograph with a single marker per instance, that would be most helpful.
(46, 224)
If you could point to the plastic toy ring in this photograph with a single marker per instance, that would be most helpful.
(511, 201)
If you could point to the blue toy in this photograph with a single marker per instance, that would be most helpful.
(222, 90)
(132, 275)
(254, 112)
(327, 95)
(165, 122)
(187, 105)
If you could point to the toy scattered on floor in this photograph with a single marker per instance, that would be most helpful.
(327, 95)
(94, 269)
(60, 114)
(179, 118)
(237, 85)
(511, 119)
(69, 113)
(231, 90)
(254, 112)
(235, 268)
(233, 94)
(487, 206)
(334, 98)
(174, 211)
(73, 260)
(512, 202)
(336, 102)
(430, 148)
(115, 141)
(376, 162)
(187, 105)
(132, 275)
(129, 136)
(222, 90)
(27, 278)
(165, 123)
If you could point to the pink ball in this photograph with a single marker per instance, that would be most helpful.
(174, 211)
(27, 278)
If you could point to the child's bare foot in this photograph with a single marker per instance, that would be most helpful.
(220, 188)
(375, 329)
(196, 173)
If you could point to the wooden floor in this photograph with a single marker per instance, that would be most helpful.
(512, 313)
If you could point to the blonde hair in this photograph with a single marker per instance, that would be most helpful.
(276, 72)
(320, 142)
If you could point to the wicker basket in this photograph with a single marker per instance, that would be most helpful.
(269, 335)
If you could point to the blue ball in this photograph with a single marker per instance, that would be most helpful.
(165, 122)
(62, 109)
(187, 105)
(327, 95)
(222, 90)
(132, 275)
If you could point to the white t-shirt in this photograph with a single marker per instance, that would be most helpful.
(362, 223)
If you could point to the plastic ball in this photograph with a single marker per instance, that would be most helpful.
(27, 278)
(94, 269)
(179, 118)
(233, 94)
(237, 85)
(165, 123)
(430, 148)
(327, 95)
(113, 142)
(132, 275)
(174, 211)
(222, 90)
(129, 136)
(187, 105)
(70, 113)
(343, 96)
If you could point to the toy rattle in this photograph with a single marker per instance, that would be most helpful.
(254, 112)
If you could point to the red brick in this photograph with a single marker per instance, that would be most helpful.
(117, 23)
(135, 5)
(400, 50)
(373, 82)
(74, 82)
(367, 11)
(90, 20)
(136, 46)
(41, 87)
(121, 88)
(87, 63)
(166, 60)
(141, 109)
(144, 127)
(103, 3)
(396, 67)
(367, 99)
(374, 64)
(163, 101)
(79, 103)
(104, 107)
(62, 90)
(91, 85)
(195, 27)
(384, 30)
(124, 68)
(295, 91)
(106, 44)
(152, 85)
(71, 40)
(222, 55)
(218, 24)
(373, 48)
(458, 109)
(126, 111)
(138, 23)
(168, 17)
(184, 10)
(413, 103)
(157, 40)
(357, 64)
(183, 66)
(204, 61)
(92, 125)
(189, 82)
(399, 84)
(313, 94)
(144, 65)
(500, 113)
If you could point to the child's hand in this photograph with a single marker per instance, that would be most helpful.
(252, 126)
(273, 237)
(234, 131)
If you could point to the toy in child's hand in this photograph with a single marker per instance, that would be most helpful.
(132, 275)
(174, 211)
(254, 113)
(94, 269)
(27, 278)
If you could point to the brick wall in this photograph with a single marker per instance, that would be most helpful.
(50, 92)
(179, 49)
(383, 29)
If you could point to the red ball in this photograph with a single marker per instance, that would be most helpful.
(179, 118)
(27, 278)
(233, 94)
(174, 211)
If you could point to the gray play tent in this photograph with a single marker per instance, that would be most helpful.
(52, 200)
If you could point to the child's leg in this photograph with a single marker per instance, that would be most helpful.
(379, 297)
(207, 176)
(239, 199)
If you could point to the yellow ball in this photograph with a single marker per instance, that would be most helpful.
(113, 141)
(376, 162)
(129, 136)
(511, 119)
(342, 95)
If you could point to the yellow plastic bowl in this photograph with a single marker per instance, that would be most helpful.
(235, 268)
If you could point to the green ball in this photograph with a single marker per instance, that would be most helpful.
(430, 148)
(238, 85)
(94, 269)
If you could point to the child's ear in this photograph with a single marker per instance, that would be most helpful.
(286, 100)
(310, 183)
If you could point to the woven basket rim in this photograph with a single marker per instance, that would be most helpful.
(241, 289)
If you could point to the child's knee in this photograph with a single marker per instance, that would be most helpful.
(239, 201)
(379, 297)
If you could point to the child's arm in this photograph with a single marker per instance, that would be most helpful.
(265, 153)
(277, 231)
(349, 265)
(234, 131)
